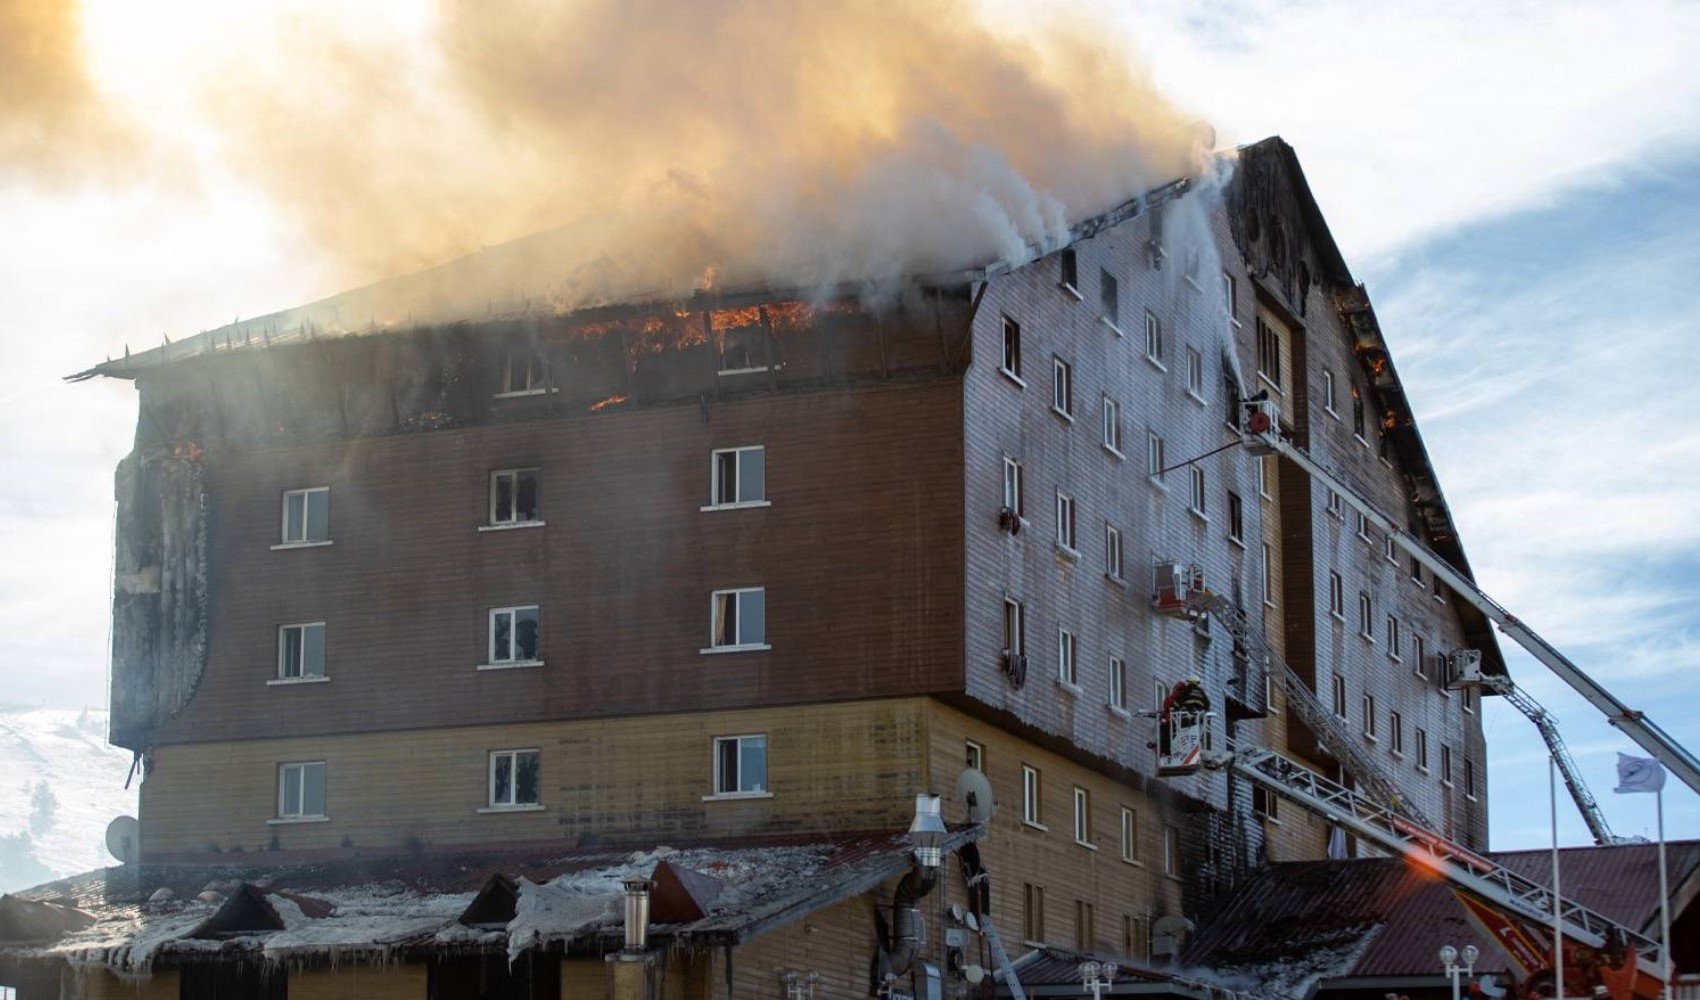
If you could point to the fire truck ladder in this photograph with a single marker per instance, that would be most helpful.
(1493, 884)
(1334, 732)
(1260, 431)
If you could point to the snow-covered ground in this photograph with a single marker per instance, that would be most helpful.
(60, 784)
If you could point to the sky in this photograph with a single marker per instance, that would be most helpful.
(1518, 184)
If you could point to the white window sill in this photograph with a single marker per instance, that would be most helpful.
(510, 525)
(1472, 798)
(1387, 462)
(1196, 398)
(287, 681)
(1236, 324)
(1059, 411)
(748, 647)
(1154, 481)
(1272, 821)
(522, 393)
(1339, 616)
(1086, 844)
(1017, 379)
(1114, 451)
(1135, 862)
(1114, 328)
(1395, 657)
(1445, 784)
(748, 371)
(1071, 291)
(511, 665)
(1071, 554)
(1070, 687)
(1236, 542)
(292, 820)
(1036, 826)
(279, 547)
(1120, 713)
(1372, 737)
(1359, 438)
(1337, 515)
(1153, 362)
(524, 807)
(1397, 754)
(1265, 496)
(1200, 515)
(1439, 600)
(736, 505)
(1421, 769)
(736, 796)
(1117, 579)
(1331, 412)
(1271, 383)
(1367, 638)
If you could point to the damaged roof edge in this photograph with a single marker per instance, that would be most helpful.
(1358, 313)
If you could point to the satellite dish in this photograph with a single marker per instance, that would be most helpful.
(123, 838)
(973, 973)
(974, 793)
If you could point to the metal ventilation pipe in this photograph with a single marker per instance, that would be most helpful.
(636, 891)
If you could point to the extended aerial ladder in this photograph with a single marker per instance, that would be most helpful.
(1260, 431)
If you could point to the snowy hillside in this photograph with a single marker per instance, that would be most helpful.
(60, 784)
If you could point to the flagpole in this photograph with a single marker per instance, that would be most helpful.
(1664, 898)
(1557, 906)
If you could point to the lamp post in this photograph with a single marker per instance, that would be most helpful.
(799, 986)
(1097, 977)
(1449, 957)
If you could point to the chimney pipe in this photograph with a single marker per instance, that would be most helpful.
(636, 891)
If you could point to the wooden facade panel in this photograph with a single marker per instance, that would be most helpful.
(860, 554)
(353, 981)
(844, 766)
(99, 984)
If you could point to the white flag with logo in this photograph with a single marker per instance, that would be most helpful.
(1638, 774)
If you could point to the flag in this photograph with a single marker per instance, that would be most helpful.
(1638, 774)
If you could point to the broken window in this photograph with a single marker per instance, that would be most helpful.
(739, 619)
(513, 779)
(1069, 269)
(1109, 298)
(1265, 803)
(1418, 654)
(522, 373)
(743, 349)
(513, 635)
(1231, 396)
(739, 476)
(307, 516)
(1012, 348)
(740, 765)
(513, 496)
(301, 790)
(301, 651)
(1153, 339)
(1062, 387)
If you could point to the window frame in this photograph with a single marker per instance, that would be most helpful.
(1110, 434)
(1171, 850)
(1066, 537)
(1269, 350)
(536, 381)
(739, 645)
(1328, 394)
(717, 773)
(1371, 720)
(1266, 569)
(1068, 271)
(513, 805)
(1129, 847)
(307, 494)
(1446, 764)
(1032, 797)
(1336, 595)
(1154, 347)
(1118, 685)
(1113, 554)
(1156, 459)
(1009, 363)
(1337, 692)
(300, 769)
(1197, 490)
(1195, 375)
(303, 677)
(1012, 485)
(1366, 616)
(1396, 732)
(1109, 300)
(1083, 817)
(1422, 749)
(1394, 638)
(515, 474)
(491, 662)
(1236, 518)
(1062, 388)
(974, 755)
(714, 480)
(1068, 659)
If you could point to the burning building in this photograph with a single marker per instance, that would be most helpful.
(429, 632)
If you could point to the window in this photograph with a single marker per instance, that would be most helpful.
(1267, 568)
(1445, 765)
(740, 476)
(1396, 733)
(1084, 931)
(739, 619)
(1265, 476)
(1171, 850)
(1195, 373)
(1366, 616)
(1069, 267)
(1422, 749)
(1109, 298)
(1391, 548)
(513, 496)
(1384, 448)
(1230, 295)
(301, 790)
(1153, 339)
(1033, 913)
(1014, 632)
(1268, 352)
(1418, 653)
(1130, 835)
(1357, 415)
(1062, 387)
(1012, 486)
(1195, 478)
(1082, 816)
(522, 373)
(1112, 425)
(1030, 811)
(1469, 778)
(1011, 348)
(1065, 520)
(1369, 717)
(1112, 551)
(1416, 571)
(1339, 692)
(1265, 803)
(1363, 526)
(1236, 517)
(743, 349)
(740, 765)
(307, 516)
(513, 636)
(1328, 393)
(1118, 683)
(1158, 693)
(1334, 504)
(1393, 637)
(1467, 700)
(513, 779)
(1336, 595)
(1155, 462)
(301, 652)
(976, 756)
(1231, 399)
(1067, 672)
